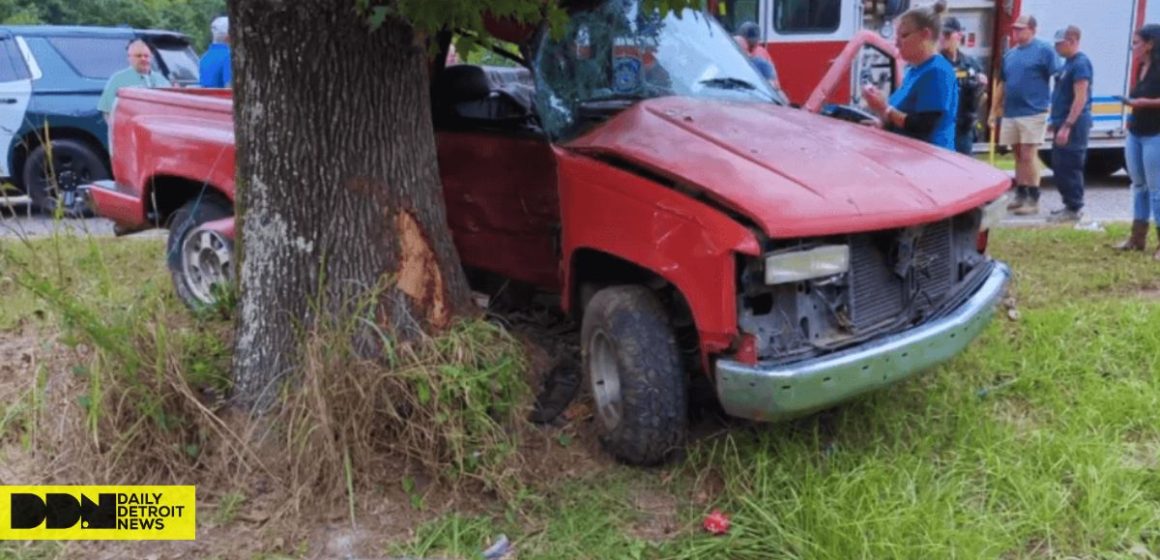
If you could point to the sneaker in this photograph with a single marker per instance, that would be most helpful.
(1019, 200)
(1064, 215)
(1029, 208)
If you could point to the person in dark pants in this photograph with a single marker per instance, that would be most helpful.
(1071, 122)
(972, 83)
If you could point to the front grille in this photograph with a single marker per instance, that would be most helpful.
(878, 294)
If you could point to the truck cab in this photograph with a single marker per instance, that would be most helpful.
(639, 168)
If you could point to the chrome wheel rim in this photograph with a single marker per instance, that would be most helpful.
(206, 262)
(605, 380)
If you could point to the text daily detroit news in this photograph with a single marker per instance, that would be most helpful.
(98, 513)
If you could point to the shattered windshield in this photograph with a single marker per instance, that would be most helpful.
(616, 54)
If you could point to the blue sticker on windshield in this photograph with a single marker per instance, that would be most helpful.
(626, 75)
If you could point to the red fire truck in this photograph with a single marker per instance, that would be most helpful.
(803, 36)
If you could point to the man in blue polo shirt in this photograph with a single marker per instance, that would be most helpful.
(215, 63)
(1022, 99)
(1071, 122)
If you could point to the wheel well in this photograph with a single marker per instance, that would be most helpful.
(593, 270)
(166, 193)
(34, 138)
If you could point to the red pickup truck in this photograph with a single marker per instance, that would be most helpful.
(646, 173)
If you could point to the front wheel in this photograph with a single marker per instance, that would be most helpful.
(54, 173)
(632, 366)
(201, 260)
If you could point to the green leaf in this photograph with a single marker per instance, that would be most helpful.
(377, 17)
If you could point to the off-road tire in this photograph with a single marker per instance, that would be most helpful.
(74, 163)
(653, 389)
(185, 220)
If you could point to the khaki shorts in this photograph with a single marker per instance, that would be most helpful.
(1023, 130)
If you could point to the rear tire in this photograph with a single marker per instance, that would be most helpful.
(55, 184)
(201, 261)
(632, 366)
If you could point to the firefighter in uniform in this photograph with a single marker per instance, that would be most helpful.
(972, 83)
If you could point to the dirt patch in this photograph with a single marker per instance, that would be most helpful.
(1018, 414)
(1151, 292)
(1142, 454)
(657, 512)
(19, 359)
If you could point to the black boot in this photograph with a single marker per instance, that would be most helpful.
(1020, 198)
(1030, 205)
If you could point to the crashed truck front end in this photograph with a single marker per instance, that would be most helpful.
(829, 318)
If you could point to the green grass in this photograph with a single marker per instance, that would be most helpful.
(1006, 162)
(94, 269)
(1041, 441)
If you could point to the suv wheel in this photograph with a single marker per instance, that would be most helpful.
(53, 183)
(632, 366)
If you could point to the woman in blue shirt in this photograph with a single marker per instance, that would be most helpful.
(925, 106)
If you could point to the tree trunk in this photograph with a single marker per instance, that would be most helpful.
(338, 183)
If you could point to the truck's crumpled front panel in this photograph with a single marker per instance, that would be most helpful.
(896, 279)
(796, 174)
(770, 391)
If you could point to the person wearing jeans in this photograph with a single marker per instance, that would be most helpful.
(1142, 150)
(1070, 122)
(1067, 163)
(1143, 158)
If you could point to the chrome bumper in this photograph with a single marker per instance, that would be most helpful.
(770, 392)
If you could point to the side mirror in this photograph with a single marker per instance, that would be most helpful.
(895, 8)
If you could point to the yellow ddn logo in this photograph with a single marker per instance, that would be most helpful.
(91, 513)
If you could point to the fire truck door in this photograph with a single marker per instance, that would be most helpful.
(805, 36)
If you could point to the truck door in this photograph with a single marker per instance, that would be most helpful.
(1106, 28)
(15, 93)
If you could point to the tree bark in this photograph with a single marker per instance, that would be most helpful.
(338, 183)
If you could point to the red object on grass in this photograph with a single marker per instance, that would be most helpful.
(717, 523)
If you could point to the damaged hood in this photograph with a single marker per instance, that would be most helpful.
(794, 173)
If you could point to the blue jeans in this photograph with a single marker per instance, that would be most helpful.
(1143, 156)
(964, 140)
(1067, 163)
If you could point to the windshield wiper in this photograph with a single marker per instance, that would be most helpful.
(616, 97)
(729, 83)
(735, 84)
